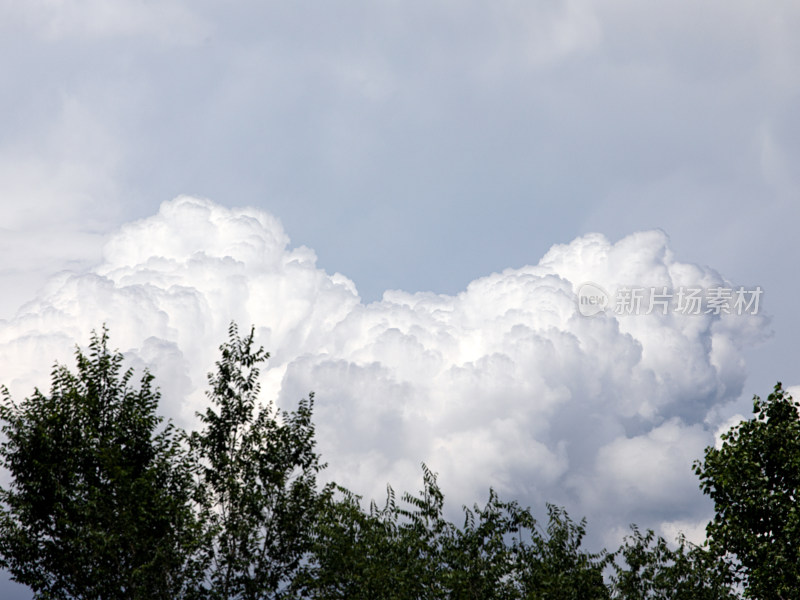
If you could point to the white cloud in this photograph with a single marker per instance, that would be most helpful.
(503, 384)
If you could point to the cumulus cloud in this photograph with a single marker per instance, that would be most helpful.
(504, 384)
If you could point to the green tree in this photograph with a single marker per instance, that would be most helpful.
(754, 480)
(409, 551)
(361, 555)
(257, 480)
(99, 501)
(651, 570)
(555, 567)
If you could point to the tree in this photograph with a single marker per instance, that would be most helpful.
(651, 570)
(754, 481)
(555, 567)
(99, 501)
(257, 480)
(360, 555)
(396, 552)
(409, 551)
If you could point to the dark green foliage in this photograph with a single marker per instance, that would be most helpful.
(359, 555)
(99, 503)
(557, 568)
(651, 570)
(413, 552)
(257, 477)
(754, 481)
(483, 558)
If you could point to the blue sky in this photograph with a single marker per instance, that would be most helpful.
(416, 146)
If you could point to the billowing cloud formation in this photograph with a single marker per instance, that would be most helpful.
(505, 384)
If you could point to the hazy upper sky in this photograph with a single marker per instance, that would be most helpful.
(340, 150)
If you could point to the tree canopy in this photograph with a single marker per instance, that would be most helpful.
(407, 550)
(754, 481)
(99, 501)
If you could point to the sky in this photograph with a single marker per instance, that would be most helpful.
(404, 199)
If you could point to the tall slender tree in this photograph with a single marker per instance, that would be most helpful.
(257, 479)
